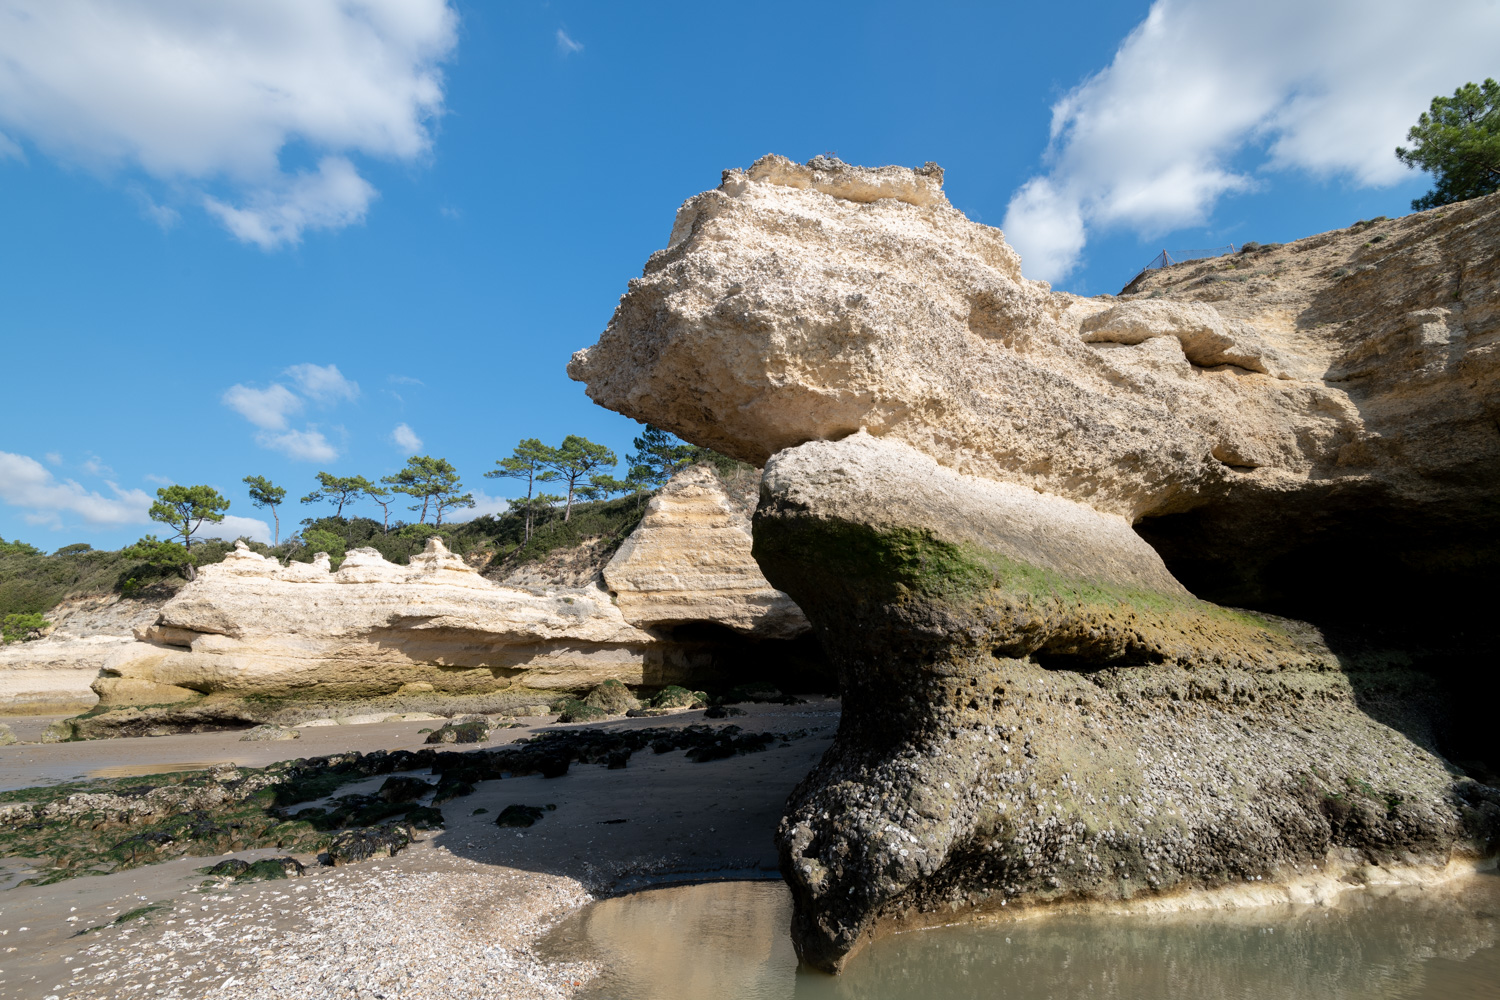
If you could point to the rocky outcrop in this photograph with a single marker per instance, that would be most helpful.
(1337, 390)
(53, 675)
(965, 470)
(689, 561)
(251, 627)
(251, 633)
(1035, 712)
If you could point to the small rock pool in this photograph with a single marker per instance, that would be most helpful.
(729, 939)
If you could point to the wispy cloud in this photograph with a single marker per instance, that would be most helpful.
(1155, 139)
(323, 383)
(566, 44)
(305, 446)
(405, 438)
(332, 197)
(267, 408)
(53, 458)
(94, 466)
(403, 380)
(158, 480)
(26, 483)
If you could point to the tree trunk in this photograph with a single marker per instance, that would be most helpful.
(277, 519)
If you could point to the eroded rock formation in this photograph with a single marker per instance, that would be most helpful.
(1036, 708)
(251, 628)
(689, 561)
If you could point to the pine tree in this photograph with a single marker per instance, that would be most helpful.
(1458, 142)
(528, 462)
(266, 496)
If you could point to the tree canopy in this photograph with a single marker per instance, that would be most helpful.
(18, 548)
(267, 496)
(338, 490)
(434, 481)
(658, 456)
(381, 496)
(574, 461)
(1458, 142)
(185, 508)
(527, 462)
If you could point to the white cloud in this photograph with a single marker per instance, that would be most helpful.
(53, 458)
(1150, 142)
(206, 97)
(566, 44)
(94, 466)
(404, 380)
(158, 480)
(323, 383)
(308, 446)
(406, 439)
(267, 408)
(26, 483)
(334, 197)
(483, 504)
(233, 527)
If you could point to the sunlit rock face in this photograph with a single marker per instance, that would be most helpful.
(963, 470)
(250, 627)
(689, 562)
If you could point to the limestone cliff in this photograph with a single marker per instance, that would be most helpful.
(690, 561)
(251, 633)
(55, 674)
(964, 469)
(249, 626)
(1339, 393)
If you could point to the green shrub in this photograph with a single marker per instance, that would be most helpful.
(22, 627)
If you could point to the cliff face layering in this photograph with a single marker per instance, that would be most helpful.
(963, 471)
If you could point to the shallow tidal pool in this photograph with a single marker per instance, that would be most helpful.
(729, 939)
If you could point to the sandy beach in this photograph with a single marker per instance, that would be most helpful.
(455, 915)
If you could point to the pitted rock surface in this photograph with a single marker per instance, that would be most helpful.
(996, 503)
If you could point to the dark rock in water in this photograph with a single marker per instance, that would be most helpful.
(519, 815)
(403, 789)
(353, 846)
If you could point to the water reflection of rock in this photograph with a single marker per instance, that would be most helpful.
(729, 939)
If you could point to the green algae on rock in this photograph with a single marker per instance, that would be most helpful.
(1017, 733)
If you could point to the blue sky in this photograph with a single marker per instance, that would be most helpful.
(443, 202)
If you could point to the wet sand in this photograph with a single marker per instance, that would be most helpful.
(455, 915)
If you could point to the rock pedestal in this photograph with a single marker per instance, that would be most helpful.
(963, 472)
